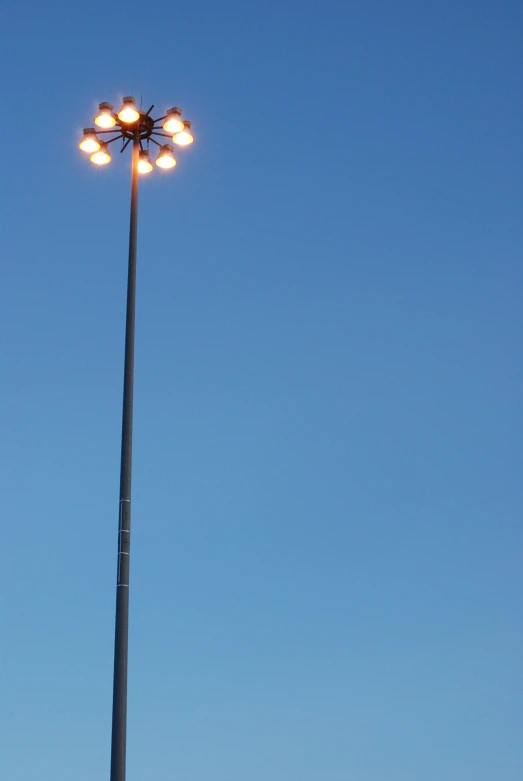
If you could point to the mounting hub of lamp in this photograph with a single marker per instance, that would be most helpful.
(145, 126)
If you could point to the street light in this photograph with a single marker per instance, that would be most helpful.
(131, 124)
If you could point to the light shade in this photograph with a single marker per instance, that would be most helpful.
(144, 162)
(102, 156)
(128, 113)
(89, 142)
(173, 121)
(105, 117)
(185, 137)
(165, 157)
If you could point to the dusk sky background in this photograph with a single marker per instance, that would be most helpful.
(327, 497)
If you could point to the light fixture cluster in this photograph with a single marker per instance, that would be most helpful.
(132, 124)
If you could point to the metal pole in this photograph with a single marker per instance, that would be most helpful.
(121, 639)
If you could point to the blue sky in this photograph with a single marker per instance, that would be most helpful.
(326, 556)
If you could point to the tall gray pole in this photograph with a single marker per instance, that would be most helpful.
(121, 639)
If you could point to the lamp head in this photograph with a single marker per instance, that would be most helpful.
(105, 117)
(185, 137)
(89, 142)
(128, 112)
(165, 157)
(102, 156)
(173, 121)
(144, 162)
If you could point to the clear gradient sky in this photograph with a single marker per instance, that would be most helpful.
(326, 569)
